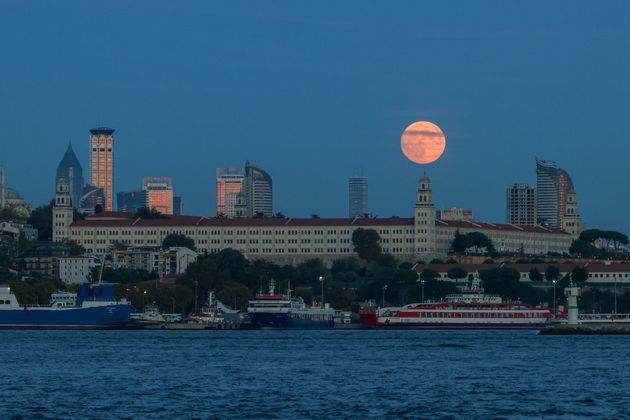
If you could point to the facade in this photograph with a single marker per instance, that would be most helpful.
(71, 170)
(102, 163)
(553, 186)
(258, 191)
(130, 201)
(63, 211)
(76, 270)
(178, 205)
(357, 196)
(43, 258)
(165, 262)
(291, 241)
(454, 214)
(159, 193)
(571, 222)
(521, 206)
(229, 183)
(91, 198)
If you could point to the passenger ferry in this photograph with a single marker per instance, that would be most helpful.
(94, 306)
(286, 312)
(470, 309)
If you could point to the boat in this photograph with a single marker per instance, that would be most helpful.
(283, 311)
(94, 306)
(151, 313)
(209, 314)
(470, 309)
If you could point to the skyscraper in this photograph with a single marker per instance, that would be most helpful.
(358, 196)
(130, 201)
(70, 169)
(159, 193)
(258, 191)
(521, 204)
(178, 205)
(553, 186)
(229, 186)
(101, 163)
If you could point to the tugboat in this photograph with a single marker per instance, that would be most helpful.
(470, 309)
(94, 306)
(280, 311)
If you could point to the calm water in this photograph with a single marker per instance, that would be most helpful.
(327, 374)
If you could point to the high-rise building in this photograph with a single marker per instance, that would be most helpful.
(455, 214)
(159, 193)
(70, 169)
(358, 196)
(130, 201)
(92, 199)
(178, 205)
(521, 204)
(258, 191)
(102, 164)
(229, 186)
(553, 186)
(244, 192)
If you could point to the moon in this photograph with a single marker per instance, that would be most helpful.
(423, 142)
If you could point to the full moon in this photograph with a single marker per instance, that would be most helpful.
(423, 142)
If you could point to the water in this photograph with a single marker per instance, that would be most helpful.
(312, 374)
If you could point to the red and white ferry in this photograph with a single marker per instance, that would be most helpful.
(470, 309)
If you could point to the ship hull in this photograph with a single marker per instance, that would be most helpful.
(99, 317)
(286, 321)
(456, 326)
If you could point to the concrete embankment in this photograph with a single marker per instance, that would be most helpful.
(587, 329)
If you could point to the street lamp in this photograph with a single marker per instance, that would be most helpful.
(422, 281)
(615, 277)
(384, 288)
(321, 280)
(143, 294)
(554, 297)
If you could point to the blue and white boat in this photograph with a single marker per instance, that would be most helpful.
(280, 311)
(94, 306)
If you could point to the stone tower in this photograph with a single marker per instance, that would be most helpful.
(571, 221)
(62, 211)
(424, 216)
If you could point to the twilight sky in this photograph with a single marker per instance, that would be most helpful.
(314, 92)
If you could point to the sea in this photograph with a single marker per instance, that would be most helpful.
(357, 374)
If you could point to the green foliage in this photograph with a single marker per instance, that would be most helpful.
(405, 266)
(41, 219)
(147, 214)
(236, 295)
(121, 275)
(98, 209)
(579, 275)
(535, 275)
(429, 274)
(552, 273)
(339, 296)
(9, 214)
(489, 261)
(475, 240)
(436, 261)
(452, 261)
(387, 260)
(591, 235)
(366, 244)
(456, 273)
(582, 248)
(177, 239)
(75, 248)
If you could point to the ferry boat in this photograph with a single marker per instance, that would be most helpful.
(94, 306)
(287, 312)
(209, 314)
(470, 309)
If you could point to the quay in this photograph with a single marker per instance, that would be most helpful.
(588, 329)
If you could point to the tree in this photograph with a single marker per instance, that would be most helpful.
(477, 240)
(98, 209)
(535, 275)
(582, 248)
(552, 273)
(366, 244)
(579, 275)
(75, 248)
(429, 274)
(386, 260)
(456, 273)
(41, 219)
(148, 214)
(177, 239)
(235, 295)
(232, 261)
(504, 281)
(436, 261)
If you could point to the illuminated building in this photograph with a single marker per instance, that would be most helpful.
(258, 191)
(357, 196)
(455, 213)
(229, 186)
(92, 198)
(521, 204)
(70, 169)
(552, 190)
(101, 163)
(159, 193)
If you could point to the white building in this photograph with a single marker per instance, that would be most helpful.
(76, 270)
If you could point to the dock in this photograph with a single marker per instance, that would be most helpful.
(604, 328)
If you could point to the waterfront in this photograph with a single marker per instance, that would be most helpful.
(316, 374)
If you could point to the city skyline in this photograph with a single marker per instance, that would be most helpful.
(189, 113)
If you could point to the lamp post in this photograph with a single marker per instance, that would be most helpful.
(143, 294)
(615, 277)
(384, 288)
(554, 297)
(422, 281)
(196, 284)
(321, 280)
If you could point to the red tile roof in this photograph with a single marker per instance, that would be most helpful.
(525, 268)
(464, 224)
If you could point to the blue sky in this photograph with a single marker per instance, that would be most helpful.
(314, 92)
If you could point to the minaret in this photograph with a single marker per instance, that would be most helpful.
(424, 216)
(62, 211)
(571, 221)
